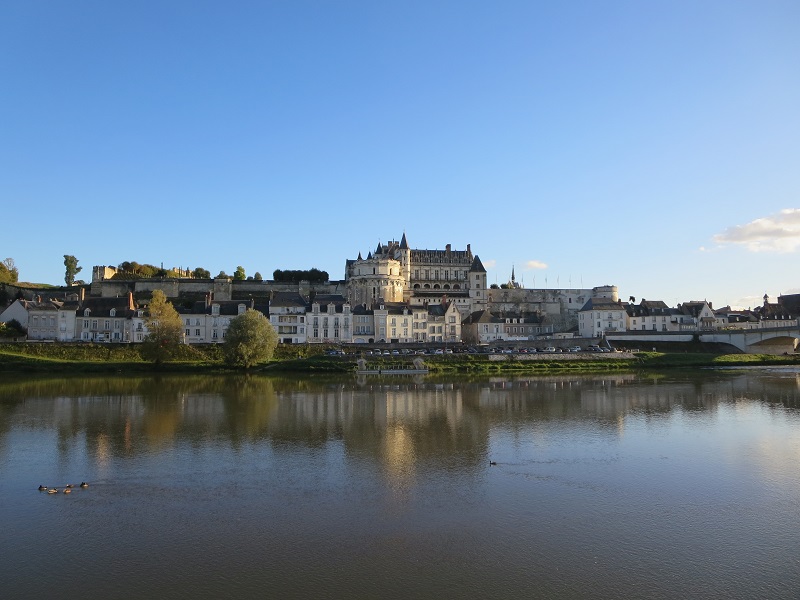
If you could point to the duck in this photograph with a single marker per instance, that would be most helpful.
(52, 491)
(84, 484)
(42, 488)
(67, 491)
(493, 462)
(69, 485)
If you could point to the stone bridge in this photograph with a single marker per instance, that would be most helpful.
(766, 340)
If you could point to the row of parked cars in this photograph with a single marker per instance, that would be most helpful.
(547, 350)
(472, 350)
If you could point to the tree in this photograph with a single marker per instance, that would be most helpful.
(165, 329)
(238, 274)
(295, 276)
(494, 286)
(222, 275)
(250, 339)
(200, 273)
(8, 271)
(258, 276)
(71, 263)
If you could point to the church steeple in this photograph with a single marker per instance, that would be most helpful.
(403, 242)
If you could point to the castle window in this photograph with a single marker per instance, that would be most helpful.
(113, 312)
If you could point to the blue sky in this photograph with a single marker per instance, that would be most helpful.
(650, 145)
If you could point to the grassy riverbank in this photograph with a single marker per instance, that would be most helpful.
(106, 358)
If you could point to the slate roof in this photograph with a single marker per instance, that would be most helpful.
(288, 299)
(604, 304)
(477, 266)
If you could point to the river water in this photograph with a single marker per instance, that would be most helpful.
(619, 486)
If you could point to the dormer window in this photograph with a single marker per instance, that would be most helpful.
(241, 309)
(215, 309)
(87, 312)
(113, 312)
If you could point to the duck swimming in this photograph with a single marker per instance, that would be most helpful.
(84, 484)
(42, 488)
(67, 490)
(52, 491)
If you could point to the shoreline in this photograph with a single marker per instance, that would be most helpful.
(35, 359)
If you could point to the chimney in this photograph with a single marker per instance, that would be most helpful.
(82, 295)
(130, 301)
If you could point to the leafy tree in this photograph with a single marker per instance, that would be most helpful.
(250, 339)
(238, 274)
(222, 275)
(8, 271)
(165, 329)
(295, 276)
(494, 286)
(12, 329)
(200, 273)
(71, 263)
(258, 277)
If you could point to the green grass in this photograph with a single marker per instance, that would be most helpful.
(82, 357)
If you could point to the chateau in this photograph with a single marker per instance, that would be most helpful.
(396, 294)
(396, 273)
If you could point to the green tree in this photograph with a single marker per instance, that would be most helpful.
(200, 273)
(258, 276)
(71, 263)
(8, 271)
(239, 274)
(222, 275)
(165, 329)
(250, 339)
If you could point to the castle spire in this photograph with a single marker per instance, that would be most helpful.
(404, 242)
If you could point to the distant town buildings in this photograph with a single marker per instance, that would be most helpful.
(396, 294)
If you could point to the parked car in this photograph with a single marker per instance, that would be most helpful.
(550, 349)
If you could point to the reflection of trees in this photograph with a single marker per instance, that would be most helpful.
(399, 422)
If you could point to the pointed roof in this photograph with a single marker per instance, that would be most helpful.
(359, 256)
(477, 266)
(369, 256)
(404, 242)
(378, 250)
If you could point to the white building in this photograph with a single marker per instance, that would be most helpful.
(287, 314)
(601, 315)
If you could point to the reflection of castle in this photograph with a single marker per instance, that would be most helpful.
(396, 273)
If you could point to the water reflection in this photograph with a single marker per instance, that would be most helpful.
(310, 487)
(395, 421)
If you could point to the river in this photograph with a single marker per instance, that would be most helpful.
(679, 485)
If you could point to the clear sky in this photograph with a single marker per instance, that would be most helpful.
(651, 145)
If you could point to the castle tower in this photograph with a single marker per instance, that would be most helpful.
(379, 276)
(477, 284)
